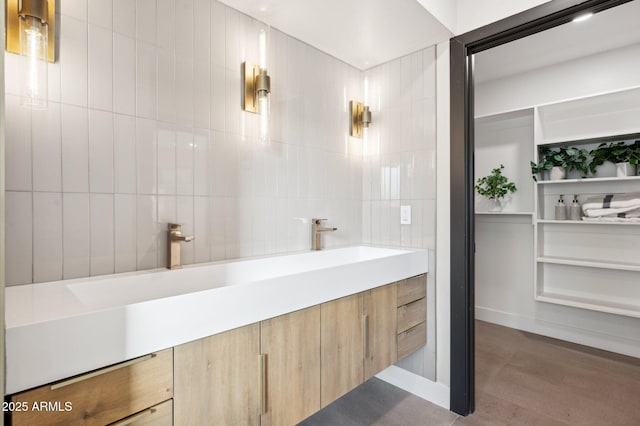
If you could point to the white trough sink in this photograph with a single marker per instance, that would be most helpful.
(59, 329)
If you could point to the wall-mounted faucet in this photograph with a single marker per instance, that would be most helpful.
(173, 251)
(316, 232)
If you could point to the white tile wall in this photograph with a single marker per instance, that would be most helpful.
(144, 127)
(399, 169)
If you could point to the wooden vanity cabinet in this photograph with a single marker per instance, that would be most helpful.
(412, 315)
(380, 316)
(291, 345)
(217, 379)
(342, 347)
(102, 396)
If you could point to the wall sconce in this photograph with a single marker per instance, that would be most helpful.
(257, 87)
(359, 118)
(31, 33)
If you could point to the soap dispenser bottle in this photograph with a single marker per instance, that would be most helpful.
(575, 211)
(561, 210)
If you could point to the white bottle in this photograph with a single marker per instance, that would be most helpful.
(561, 210)
(575, 211)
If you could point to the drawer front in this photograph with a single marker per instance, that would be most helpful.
(103, 396)
(412, 340)
(412, 314)
(159, 415)
(412, 289)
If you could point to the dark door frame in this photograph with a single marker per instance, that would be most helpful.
(540, 18)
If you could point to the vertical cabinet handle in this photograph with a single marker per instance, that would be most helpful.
(365, 332)
(263, 383)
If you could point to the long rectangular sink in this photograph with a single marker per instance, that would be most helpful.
(62, 328)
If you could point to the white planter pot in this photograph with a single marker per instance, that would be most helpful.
(625, 169)
(557, 173)
(496, 204)
(606, 169)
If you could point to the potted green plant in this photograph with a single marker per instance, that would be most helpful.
(495, 187)
(624, 156)
(559, 161)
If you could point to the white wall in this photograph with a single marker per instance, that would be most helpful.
(504, 248)
(599, 73)
(474, 14)
(399, 168)
(144, 127)
(444, 11)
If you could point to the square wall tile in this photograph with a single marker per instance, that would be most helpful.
(184, 28)
(166, 86)
(74, 8)
(201, 169)
(19, 238)
(47, 148)
(75, 149)
(184, 92)
(75, 238)
(218, 33)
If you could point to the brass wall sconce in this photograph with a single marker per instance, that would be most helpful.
(256, 84)
(359, 118)
(31, 33)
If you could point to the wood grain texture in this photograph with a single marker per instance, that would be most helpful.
(412, 340)
(412, 289)
(342, 350)
(292, 345)
(105, 398)
(412, 314)
(380, 306)
(217, 379)
(158, 415)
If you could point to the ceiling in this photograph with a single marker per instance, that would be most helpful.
(611, 29)
(362, 33)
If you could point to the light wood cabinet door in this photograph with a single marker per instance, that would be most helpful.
(291, 344)
(380, 310)
(159, 415)
(217, 379)
(342, 347)
(102, 396)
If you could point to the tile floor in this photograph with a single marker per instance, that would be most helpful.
(521, 379)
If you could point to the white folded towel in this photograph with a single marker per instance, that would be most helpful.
(611, 205)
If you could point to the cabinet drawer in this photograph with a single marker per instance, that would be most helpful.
(412, 289)
(412, 314)
(411, 340)
(103, 396)
(159, 415)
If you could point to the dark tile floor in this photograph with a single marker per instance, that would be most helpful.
(521, 379)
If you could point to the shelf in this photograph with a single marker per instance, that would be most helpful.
(592, 138)
(589, 180)
(594, 305)
(506, 213)
(586, 222)
(590, 263)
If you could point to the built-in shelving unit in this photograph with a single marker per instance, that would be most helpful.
(586, 264)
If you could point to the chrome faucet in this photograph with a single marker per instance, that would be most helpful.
(174, 240)
(316, 230)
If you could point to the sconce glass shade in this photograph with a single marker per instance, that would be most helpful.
(263, 89)
(33, 33)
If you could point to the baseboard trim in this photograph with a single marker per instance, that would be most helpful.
(559, 331)
(424, 388)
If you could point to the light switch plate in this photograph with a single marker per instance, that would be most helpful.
(405, 215)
